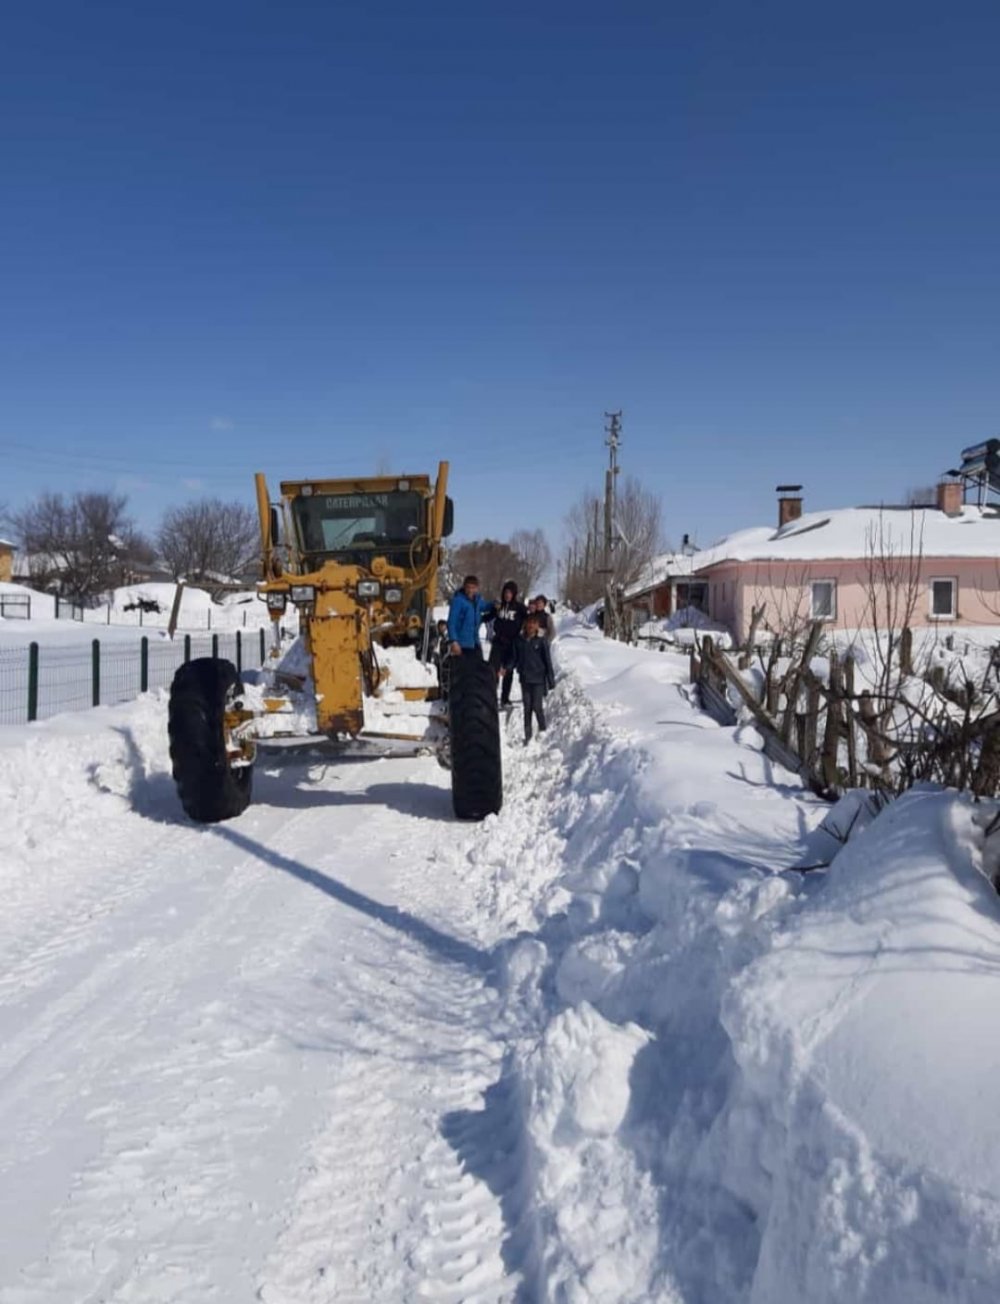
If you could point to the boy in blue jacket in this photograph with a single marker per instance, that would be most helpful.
(466, 613)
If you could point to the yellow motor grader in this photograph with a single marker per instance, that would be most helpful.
(357, 561)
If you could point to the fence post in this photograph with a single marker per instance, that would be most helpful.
(187, 648)
(852, 741)
(239, 651)
(32, 682)
(263, 646)
(215, 643)
(144, 664)
(95, 671)
(831, 732)
(209, 625)
(906, 651)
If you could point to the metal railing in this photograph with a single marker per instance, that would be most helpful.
(38, 681)
(15, 605)
(67, 610)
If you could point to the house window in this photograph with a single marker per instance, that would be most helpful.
(944, 595)
(824, 600)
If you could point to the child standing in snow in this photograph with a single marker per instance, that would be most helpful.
(534, 669)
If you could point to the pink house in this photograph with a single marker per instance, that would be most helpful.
(940, 563)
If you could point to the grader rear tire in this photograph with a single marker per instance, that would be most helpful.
(209, 788)
(474, 727)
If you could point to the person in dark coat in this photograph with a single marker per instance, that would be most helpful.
(534, 669)
(508, 617)
(546, 624)
(466, 613)
(439, 650)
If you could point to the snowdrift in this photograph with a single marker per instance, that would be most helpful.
(43, 605)
(741, 1082)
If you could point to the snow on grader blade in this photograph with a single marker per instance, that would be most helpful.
(358, 561)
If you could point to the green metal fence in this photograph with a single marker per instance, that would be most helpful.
(42, 679)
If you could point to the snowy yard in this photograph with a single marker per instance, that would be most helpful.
(608, 1046)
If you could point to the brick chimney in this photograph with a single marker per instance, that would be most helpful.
(789, 503)
(950, 497)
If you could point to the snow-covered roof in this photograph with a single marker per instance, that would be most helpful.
(6, 543)
(852, 532)
(667, 566)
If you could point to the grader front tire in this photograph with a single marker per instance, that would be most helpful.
(210, 789)
(474, 727)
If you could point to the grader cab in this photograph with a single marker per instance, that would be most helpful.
(356, 561)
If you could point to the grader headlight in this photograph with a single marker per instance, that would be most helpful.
(369, 588)
(303, 593)
(277, 601)
(394, 595)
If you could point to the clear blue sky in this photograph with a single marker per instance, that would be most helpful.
(300, 237)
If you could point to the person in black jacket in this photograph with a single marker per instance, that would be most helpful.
(508, 617)
(534, 669)
(540, 606)
(439, 651)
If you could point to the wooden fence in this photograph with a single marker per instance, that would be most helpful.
(836, 736)
(824, 730)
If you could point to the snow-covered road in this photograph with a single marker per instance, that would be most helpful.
(236, 1059)
(609, 1047)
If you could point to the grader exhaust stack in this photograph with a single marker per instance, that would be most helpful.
(358, 561)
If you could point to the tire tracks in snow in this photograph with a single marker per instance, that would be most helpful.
(149, 1015)
(209, 1060)
(387, 1210)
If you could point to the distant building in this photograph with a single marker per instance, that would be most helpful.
(822, 565)
(7, 550)
(667, 586)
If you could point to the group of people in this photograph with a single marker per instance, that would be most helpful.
(521, 637)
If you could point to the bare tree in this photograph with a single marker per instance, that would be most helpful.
(534, 557)
(210, 541)
(785, 604)
(139, 551)
(638, 531)
(637, 536)
(77, 545)
(583, 582)
(892, 589)
(491, 560)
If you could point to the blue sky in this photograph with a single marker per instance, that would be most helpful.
(306, 237)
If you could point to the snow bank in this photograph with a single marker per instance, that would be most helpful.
(741, 1084)
(43, 605)
(685, 628)
(137, 610)
(865, 1036)
(58, 780)
(198, 609)
(576, 1094)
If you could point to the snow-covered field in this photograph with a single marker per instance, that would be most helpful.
(122, 620)
(607, 1046)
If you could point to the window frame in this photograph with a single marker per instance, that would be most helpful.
(942, 579)
(833, 599)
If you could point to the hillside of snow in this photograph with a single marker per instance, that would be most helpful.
(614, 1044)
(142, 608)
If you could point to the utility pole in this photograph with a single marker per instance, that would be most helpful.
(613, 431)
